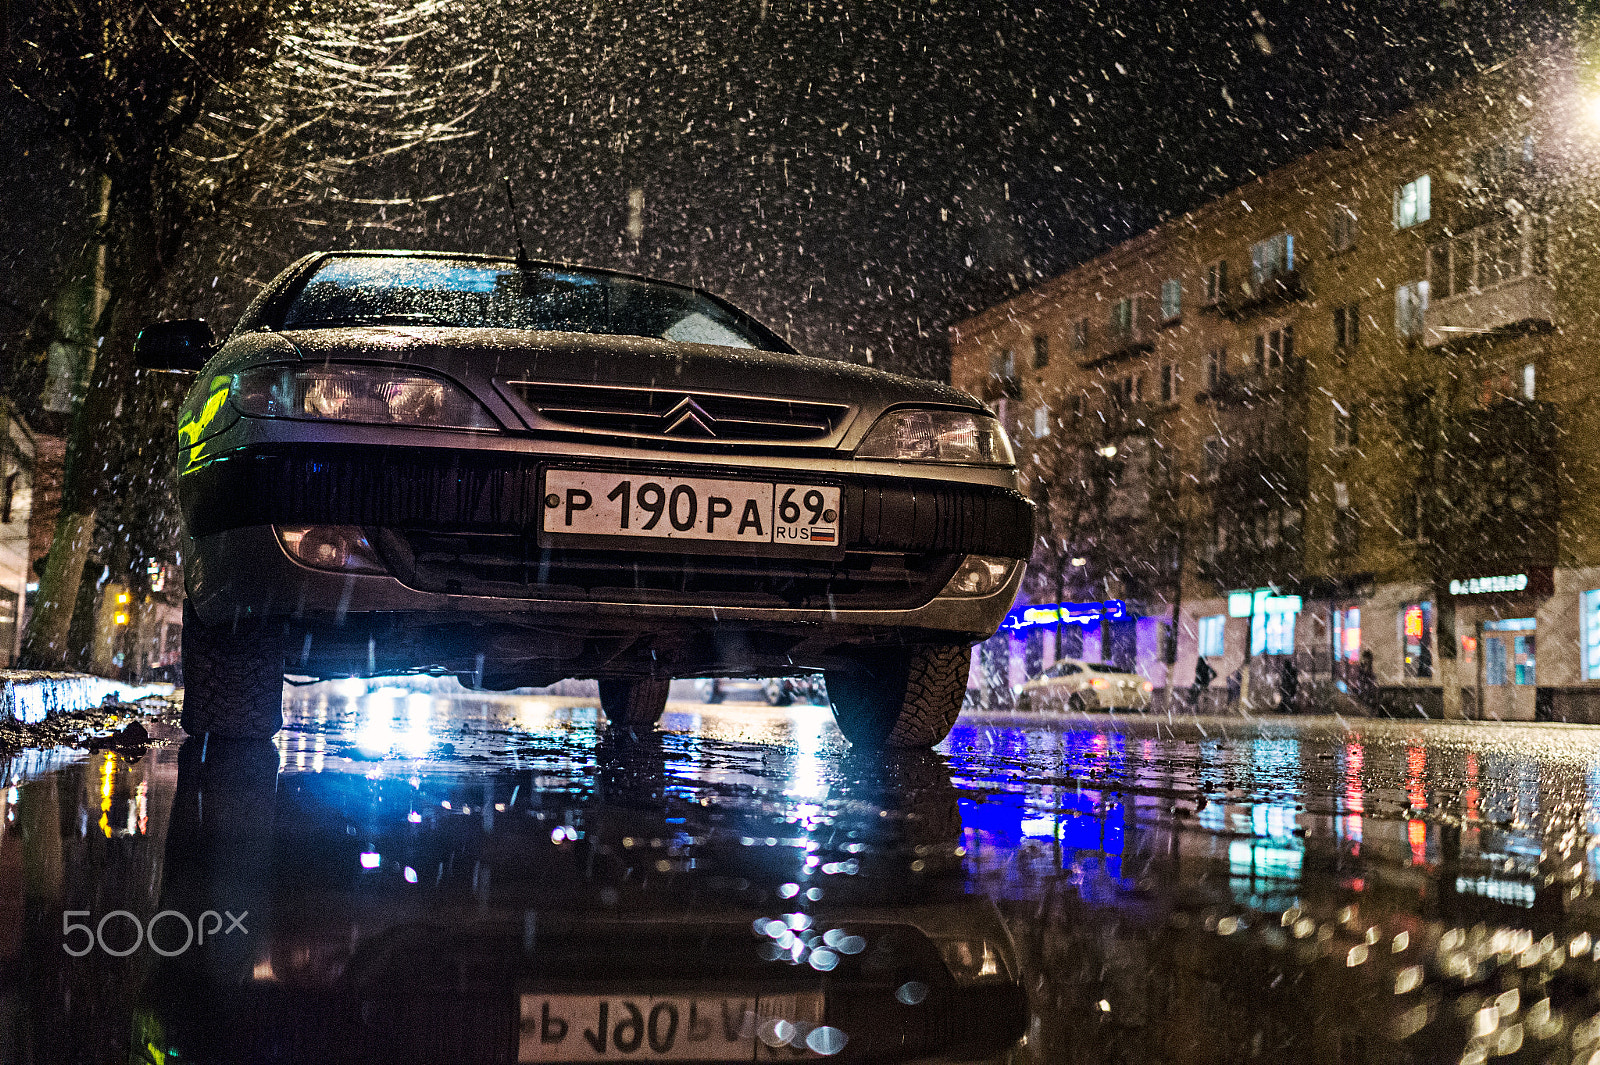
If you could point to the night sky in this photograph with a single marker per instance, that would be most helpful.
(858, 174)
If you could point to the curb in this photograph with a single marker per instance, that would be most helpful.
(29, 697)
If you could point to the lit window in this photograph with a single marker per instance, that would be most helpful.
(1272, 258)
(1591, 635)
(1041, 421)
(1347, 635)
(1411, 203)
(1211, 630)
(1272, 633)
(1527, 380)
(1410, 303)
(1171, 299)
(1416, 636)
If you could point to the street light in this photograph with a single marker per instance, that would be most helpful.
(1107, 452)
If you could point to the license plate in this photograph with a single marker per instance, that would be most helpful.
(643, 506)
(665, 1027)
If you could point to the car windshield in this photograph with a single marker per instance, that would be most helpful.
(391, 290)
(1104, 667)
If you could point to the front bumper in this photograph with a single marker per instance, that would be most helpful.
(467, 577)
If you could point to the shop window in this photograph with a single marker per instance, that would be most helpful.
(1171, 299)
(1416, 635)
(1211, 635)
(1591, 635)
(1411, 202)
(1347, 635)
(1272, 633)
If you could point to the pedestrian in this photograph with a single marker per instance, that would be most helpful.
(1288, 685)
(1366, 682)
(1203, 676)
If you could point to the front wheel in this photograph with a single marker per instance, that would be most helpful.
(900, 697)
(233, 679)
(634, 703)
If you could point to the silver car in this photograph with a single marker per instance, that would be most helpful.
(1077, 685)
(518, 472)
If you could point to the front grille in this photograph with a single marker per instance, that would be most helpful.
(511, 565)
(677, 414)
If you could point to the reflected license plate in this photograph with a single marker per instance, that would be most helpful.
(642, 506)
(707, 1027)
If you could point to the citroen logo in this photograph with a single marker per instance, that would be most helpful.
(689, 419)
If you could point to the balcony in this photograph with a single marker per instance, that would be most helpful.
(1492, 280)
(1133, 328)
(1253, 297)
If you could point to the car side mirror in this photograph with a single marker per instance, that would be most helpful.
(180, 346)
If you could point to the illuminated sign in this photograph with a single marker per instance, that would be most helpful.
(1510, 582)
(1414, 621)
(1072, 613)
(1262, 601)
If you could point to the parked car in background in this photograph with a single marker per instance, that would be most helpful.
(1076, 685)
(520, 472)
(774, 691)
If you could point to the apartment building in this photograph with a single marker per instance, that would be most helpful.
(1345, 414)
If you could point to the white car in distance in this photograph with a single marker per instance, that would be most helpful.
(1077, 685)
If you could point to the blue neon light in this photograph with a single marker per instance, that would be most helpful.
(1028, 617)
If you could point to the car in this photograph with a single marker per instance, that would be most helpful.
(518, 472)
(1078, 685)
(774, 691)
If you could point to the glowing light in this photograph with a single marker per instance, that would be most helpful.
(411, 875)
(120, 619)
(371, 859)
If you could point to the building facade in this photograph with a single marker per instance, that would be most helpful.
(1345, 417)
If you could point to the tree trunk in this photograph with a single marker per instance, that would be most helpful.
(45, 643)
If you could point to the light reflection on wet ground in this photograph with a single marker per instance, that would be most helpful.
(428, 875)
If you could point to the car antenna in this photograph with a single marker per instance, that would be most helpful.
(523, 262)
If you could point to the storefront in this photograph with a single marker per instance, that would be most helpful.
(1497, 623)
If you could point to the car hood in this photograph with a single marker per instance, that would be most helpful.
(481, 356)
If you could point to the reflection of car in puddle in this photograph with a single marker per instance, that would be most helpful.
(507, 919)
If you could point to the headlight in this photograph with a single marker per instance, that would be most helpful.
(371, 394)
(937, 436)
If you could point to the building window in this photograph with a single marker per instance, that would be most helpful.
(1216, 282)
(1346, 328)
(1591, 635)
(1122, 317)
(1410, 303)
(1346, 427)
(1216, 366)
(1271, 258)
(1347, 635)
(1274, 348)
(1130, 389)
(1341, 228)
(1041, 421)
(1527, 380)
(1211, 633)
(1344, 535)
(1211, 462)
(1003, 368)
(1169, 383)
(1041, 351)
(1272, 633)
(1171, 299)
(1416, 636)
(1077, 408)
(1411, 203)
(1080, 334)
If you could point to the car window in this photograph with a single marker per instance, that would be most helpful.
(397, 290)
(1065, 669)
(1104, 667)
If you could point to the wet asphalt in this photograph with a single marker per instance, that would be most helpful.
(411, 875)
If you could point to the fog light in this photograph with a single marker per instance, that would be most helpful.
(342, 548)
(979, 575)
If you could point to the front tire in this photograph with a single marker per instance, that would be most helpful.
(634, 703)
(233, 679)
(908, 697)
